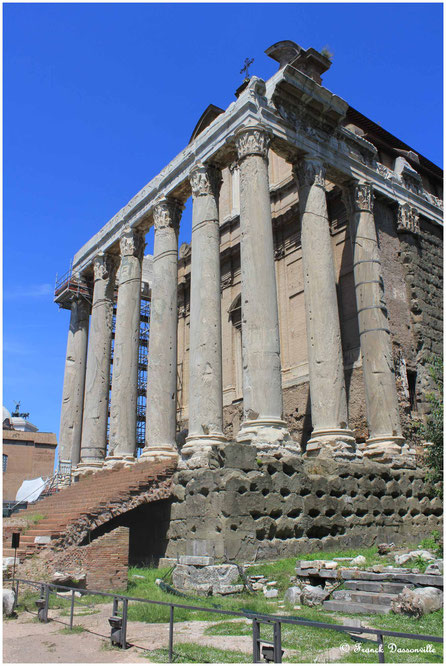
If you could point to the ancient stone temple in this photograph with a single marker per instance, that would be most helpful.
(289, 342)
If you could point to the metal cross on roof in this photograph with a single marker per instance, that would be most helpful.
(248, 63)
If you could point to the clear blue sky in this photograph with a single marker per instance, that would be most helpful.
(98, 98)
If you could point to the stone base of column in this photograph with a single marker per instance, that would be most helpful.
(390, 450)
(269, 436)
(112, 461)
(84, 468)
(200, 452)
(159, 452)
(337, 443)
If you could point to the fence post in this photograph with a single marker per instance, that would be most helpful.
(47, 602)
(381, 657)
(171, 634)
(16, 603)
(72, 609)
(277, 643)
(255, 641)
(115, 605)
(125, 602)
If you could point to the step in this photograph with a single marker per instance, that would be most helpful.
(378, 598)
(355, 607)
(374, 586)
(417, 579)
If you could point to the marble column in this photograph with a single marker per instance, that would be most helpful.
(331, 434)
(162, 365)
(124, 392)
(205, 360)
(385, 439)
(74, 383)
(263, 423)
(97, 382)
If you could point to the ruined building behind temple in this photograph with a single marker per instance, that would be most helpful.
(289, 343)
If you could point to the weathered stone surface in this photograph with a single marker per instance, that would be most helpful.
(358, 561)
(122, 436)
(355, 607)
(74, 383)
(331, 435)
(188, 577)
(435, 569)
(162, 358)
(293, 595)
(70, 579)
(262, 384)
(196, 560)
(418, 602)
(270, 593)
(8, 602)
(205, 363)
(313, 595)
(42, 539)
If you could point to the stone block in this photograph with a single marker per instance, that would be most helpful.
(270, 593)
(355, 607)
(8, 602)
(418, 602)
(239, 456)
(164, 562)
(42, 539)
(293, 595)
(196, 560)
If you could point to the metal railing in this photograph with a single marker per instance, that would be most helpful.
(119, 624)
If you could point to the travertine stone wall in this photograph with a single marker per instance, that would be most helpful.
(265, 509)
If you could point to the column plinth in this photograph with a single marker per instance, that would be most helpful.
(162, 365)
(97, 382)
(74, 383)
(122, 434)
(385, 442)
(263, 424)
(331, 435)
(205, 362)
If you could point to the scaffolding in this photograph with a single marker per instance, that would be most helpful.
(70, 286)
(144, 328)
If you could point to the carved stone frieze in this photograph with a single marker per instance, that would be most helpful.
(252, 141)
(226, 281)
(279, 252)
(183, 310)
(132, 243)
(167, 213)
(363, 196)
(310, 171)
(205, 180)
(408, 219)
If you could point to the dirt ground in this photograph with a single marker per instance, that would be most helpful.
(25, 640)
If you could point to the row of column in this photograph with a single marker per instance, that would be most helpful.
(263, 423)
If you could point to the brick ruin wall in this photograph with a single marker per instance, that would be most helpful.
(250, 509)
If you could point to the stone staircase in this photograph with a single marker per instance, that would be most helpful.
(91, 501)
(364, 597)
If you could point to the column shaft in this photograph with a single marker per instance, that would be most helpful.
(97, 383)
(162, 364)
(124, 393)
(205, 387)
(385, 438)
(325, 360)
(262, 382)
(74, 382)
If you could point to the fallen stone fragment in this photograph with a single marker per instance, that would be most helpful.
(8, 602)
(436, 568)
(313, 595)
(270, 593)
(293, 595)
(384, 548)
(358, 561)
(418, 602)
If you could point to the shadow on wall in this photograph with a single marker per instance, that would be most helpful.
(148, 525)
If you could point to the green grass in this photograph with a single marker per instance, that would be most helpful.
(148, 589)
(77, 629)
(186, 653)
(35, 518)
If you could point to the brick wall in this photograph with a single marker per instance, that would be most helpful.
(105, 561)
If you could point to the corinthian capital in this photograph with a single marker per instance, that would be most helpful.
(104, 266)
(362, 197)
(310, 171)
(131, 243)
(167, 213)
(408, 219)
(205, 180)
(252, 140)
